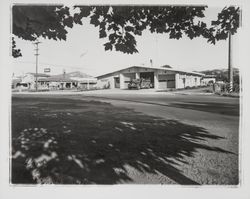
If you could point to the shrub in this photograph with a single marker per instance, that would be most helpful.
(224, 88)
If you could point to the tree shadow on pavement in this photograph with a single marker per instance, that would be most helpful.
(211, 107)
(67, 141)
(231, 109)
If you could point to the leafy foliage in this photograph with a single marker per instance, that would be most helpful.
(227, 21)
(222, 74)
(31, 22)
(121, 24)
(15, 52)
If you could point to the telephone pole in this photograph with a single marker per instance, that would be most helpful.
(230, 68)
(36, 54)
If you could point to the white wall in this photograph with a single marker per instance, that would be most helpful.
(106, 82)
(181, 79)
(205, 81)
(185, 80)
(156, 80)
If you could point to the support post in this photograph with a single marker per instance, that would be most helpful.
(36, 54)
(137, 75)
(177, 79)
(156, 81)
(230, 68)
(122, 84)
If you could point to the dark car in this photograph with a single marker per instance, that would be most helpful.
(139, 84)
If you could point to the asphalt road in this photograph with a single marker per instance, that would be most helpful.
(217, 118)
(218, 115)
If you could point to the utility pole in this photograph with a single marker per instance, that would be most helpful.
(230, 68)
(36, 54)
(151, 62)
(64, 73)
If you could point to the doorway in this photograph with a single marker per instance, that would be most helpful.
(117, 82)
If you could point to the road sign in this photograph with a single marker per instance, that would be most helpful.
(46, 70)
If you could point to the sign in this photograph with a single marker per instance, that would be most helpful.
(46, 70)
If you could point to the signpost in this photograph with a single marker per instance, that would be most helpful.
(47, 70)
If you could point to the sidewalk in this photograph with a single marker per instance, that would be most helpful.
(198, 91)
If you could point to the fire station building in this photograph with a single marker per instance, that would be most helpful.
(162, 78)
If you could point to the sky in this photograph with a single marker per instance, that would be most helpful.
(84, 51)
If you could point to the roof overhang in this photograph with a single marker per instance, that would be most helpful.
(153, 68)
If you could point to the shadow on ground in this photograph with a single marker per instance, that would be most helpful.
(210, 107)
(90, 142)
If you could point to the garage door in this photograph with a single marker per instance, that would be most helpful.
(171, 81)
(166, 81)
(162, 81)
(127, 78)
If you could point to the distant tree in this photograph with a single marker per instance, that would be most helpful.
(221, 75)
(120, 24)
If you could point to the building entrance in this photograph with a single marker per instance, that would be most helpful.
(148, 76)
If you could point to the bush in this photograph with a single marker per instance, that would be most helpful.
(106, 86)
(39, 90)
(224, 88)
(208, 91)
(86, 89)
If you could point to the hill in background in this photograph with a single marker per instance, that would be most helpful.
(222, 74)
(76, 74)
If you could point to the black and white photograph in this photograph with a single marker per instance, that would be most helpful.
(125, 94)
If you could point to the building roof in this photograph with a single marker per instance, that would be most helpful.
(76, 76)
(65, 79)
(17, 80)
(39, 74)
(166, 66)
(156, 68)
(84, 80)
(209, 76)
(57, 79)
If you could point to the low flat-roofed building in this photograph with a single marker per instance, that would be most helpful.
(71, 80)
(29, 80)
(208, 79)
(161, 78)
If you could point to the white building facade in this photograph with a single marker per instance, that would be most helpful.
(208, 79)
(161, 78)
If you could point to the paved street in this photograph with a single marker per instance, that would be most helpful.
(131, 137)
